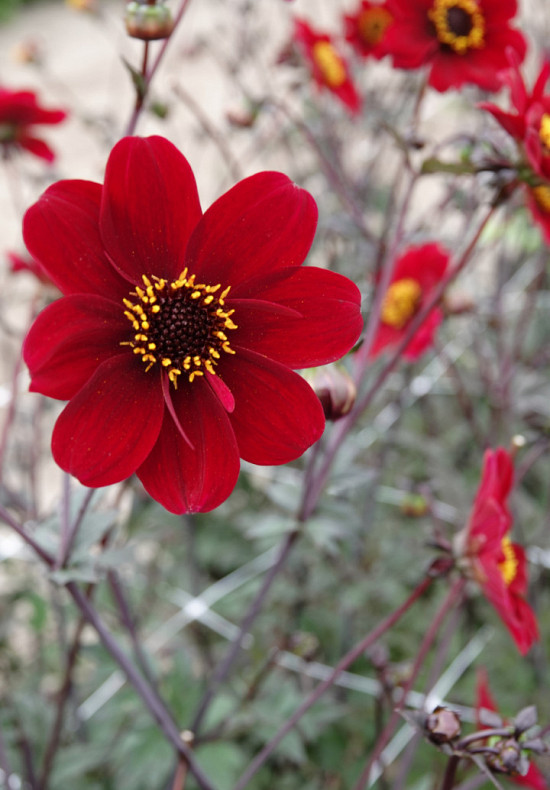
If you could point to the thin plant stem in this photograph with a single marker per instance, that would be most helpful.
(450, 772)
(149, 74)
(62, 698)
(344, 426)
(453, 598)
(227, 662)
(28, 539)
(149, 697)
(320, 689)
(129, 624)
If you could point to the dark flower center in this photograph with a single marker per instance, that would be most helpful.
(373, 23)
(181, 325)
(458, 24)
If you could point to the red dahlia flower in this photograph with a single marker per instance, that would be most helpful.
(366, 29)
(177, 333)
(463, 41)
(414, 277)
(19, 112)
(497, 564)
(533, 778)
(329, 68)
(515, 123)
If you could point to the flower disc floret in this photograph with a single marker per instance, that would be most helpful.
(372, 24)
(401, 302)
(180, 325)
(459, 24)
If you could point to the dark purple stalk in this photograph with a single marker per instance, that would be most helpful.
(319, 690)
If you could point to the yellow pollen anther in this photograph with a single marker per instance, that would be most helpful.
(544, 131)
(400, 302)
(160, 316)
(372, 24)
(542, 196)
(509, 565)
(329, 63)
(459, 24)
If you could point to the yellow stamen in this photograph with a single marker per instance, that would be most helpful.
(330, 65)
(542, 196)
(450, 16)
(544, 131)
(400, 302)
(509, 565)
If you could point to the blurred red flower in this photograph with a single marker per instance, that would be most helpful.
(462, 41)
(19, 112)
(178, 331)
(533, 778)
(515, 123)
(366, 28)
(498, 565)
(20, 263)
(329, 69)
(414, 277)
(527, 126)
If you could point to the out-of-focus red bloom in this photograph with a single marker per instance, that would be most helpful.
(414, 277)
(484, 699)
(178, 332)
(19, 263)
(329, 68)
(538, 201)
(515, 123)
(498, 565)
(462, 41)
(366, 29)
(19, 113)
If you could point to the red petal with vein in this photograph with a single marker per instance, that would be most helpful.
(277, 415)
(193, 481)
(69, 339)
(328, 325)
(108, 429)
(150, 207)
(61, 232)
(262, 224)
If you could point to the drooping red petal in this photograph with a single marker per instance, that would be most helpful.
(264, 223)
(108, 429)
(38, 147)
(490, 516)
(61, 232)
(149, 209)
(192, 481)
(326, 324)
(69, 339)
(277, 415)
(514, 611)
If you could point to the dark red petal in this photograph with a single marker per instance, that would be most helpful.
(36, 146)
(277, 415)
(193, 481)
(61, 232)
(108, 429)
(69, 339)
(326, 323)
(150, 206)
(262, 224)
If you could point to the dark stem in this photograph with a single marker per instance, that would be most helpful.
(151, 700)
(450, 772)
(227, 662)
(319, 690)
(452, 598)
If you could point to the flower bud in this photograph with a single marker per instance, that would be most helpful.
(509, 758)
(335, 389)
(148, 22)
(442, 725)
